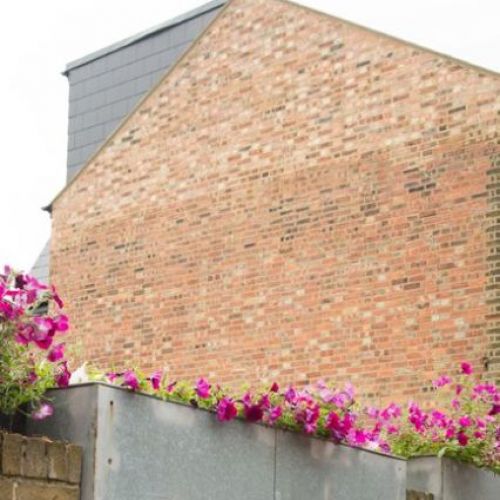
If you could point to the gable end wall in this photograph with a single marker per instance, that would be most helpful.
(298, 199)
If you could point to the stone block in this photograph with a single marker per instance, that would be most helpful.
(37, 491)
(34, 462)
(12, 454)
(74, 460)
(57, 462)
(6, 488)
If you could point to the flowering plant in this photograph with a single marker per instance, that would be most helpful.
(465, 425)
(467, 429)
(31, 360)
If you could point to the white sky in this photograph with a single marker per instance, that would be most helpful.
(37, 39)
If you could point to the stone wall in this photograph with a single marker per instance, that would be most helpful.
(298, 199)
(38, 469)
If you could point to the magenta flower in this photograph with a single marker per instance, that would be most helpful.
(462, 438)
(441, 381)
(274, 414)
(7, 311)
(438, 418)
(274, 388)
(226, 410)
(340, 399)
(63, 376)
(392, 429)
(392, 411)
(466, 368)
(465, 421)
(357, 437)
(56, 297)
(56, 353)
(61, 323)
(130, 380)
(202, 388)
(349, 391)
(291, 395)
(43, 342)
(170, 387)
(112, 376)
(246, 399)
(24, 335)
(417, 417)
(264, 402)
(480, 423)
(372, 412)
(155, 379)
(495, 410)
(338, 427)
(43, 411)
(450, 432)
(253, 413)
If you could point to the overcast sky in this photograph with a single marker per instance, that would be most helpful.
(38, 38)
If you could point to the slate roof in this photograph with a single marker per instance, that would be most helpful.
(105, 86)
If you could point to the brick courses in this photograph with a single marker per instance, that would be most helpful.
(299, 198)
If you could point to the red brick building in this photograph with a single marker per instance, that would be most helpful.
(297, 198)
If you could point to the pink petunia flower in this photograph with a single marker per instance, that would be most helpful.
(462, 438)
(171, 386)
(202, 388)
(61, 323)
(274, 387)
(253, 413)
(226, 410)
(56, 297)
(274, 414)
(495, 410)
(291, 395)
(465, 421)
(63, 376)
(155, 379)
(56, 353)
(466, 368)
(112, 376)
(43, 411)
(130, 380)
(441, 381)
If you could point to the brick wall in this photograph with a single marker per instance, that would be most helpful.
(38, 469)
(299, 198)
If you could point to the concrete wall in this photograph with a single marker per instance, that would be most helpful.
(38, 469)
(446, 479)
(139, 447)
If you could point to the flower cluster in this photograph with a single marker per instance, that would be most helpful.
(31, 357)
(466, 427)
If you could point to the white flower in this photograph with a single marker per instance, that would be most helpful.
(80, 375)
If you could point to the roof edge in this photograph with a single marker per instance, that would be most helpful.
(198, 11)
(146, 96)
(226, 4)
(468, 64)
